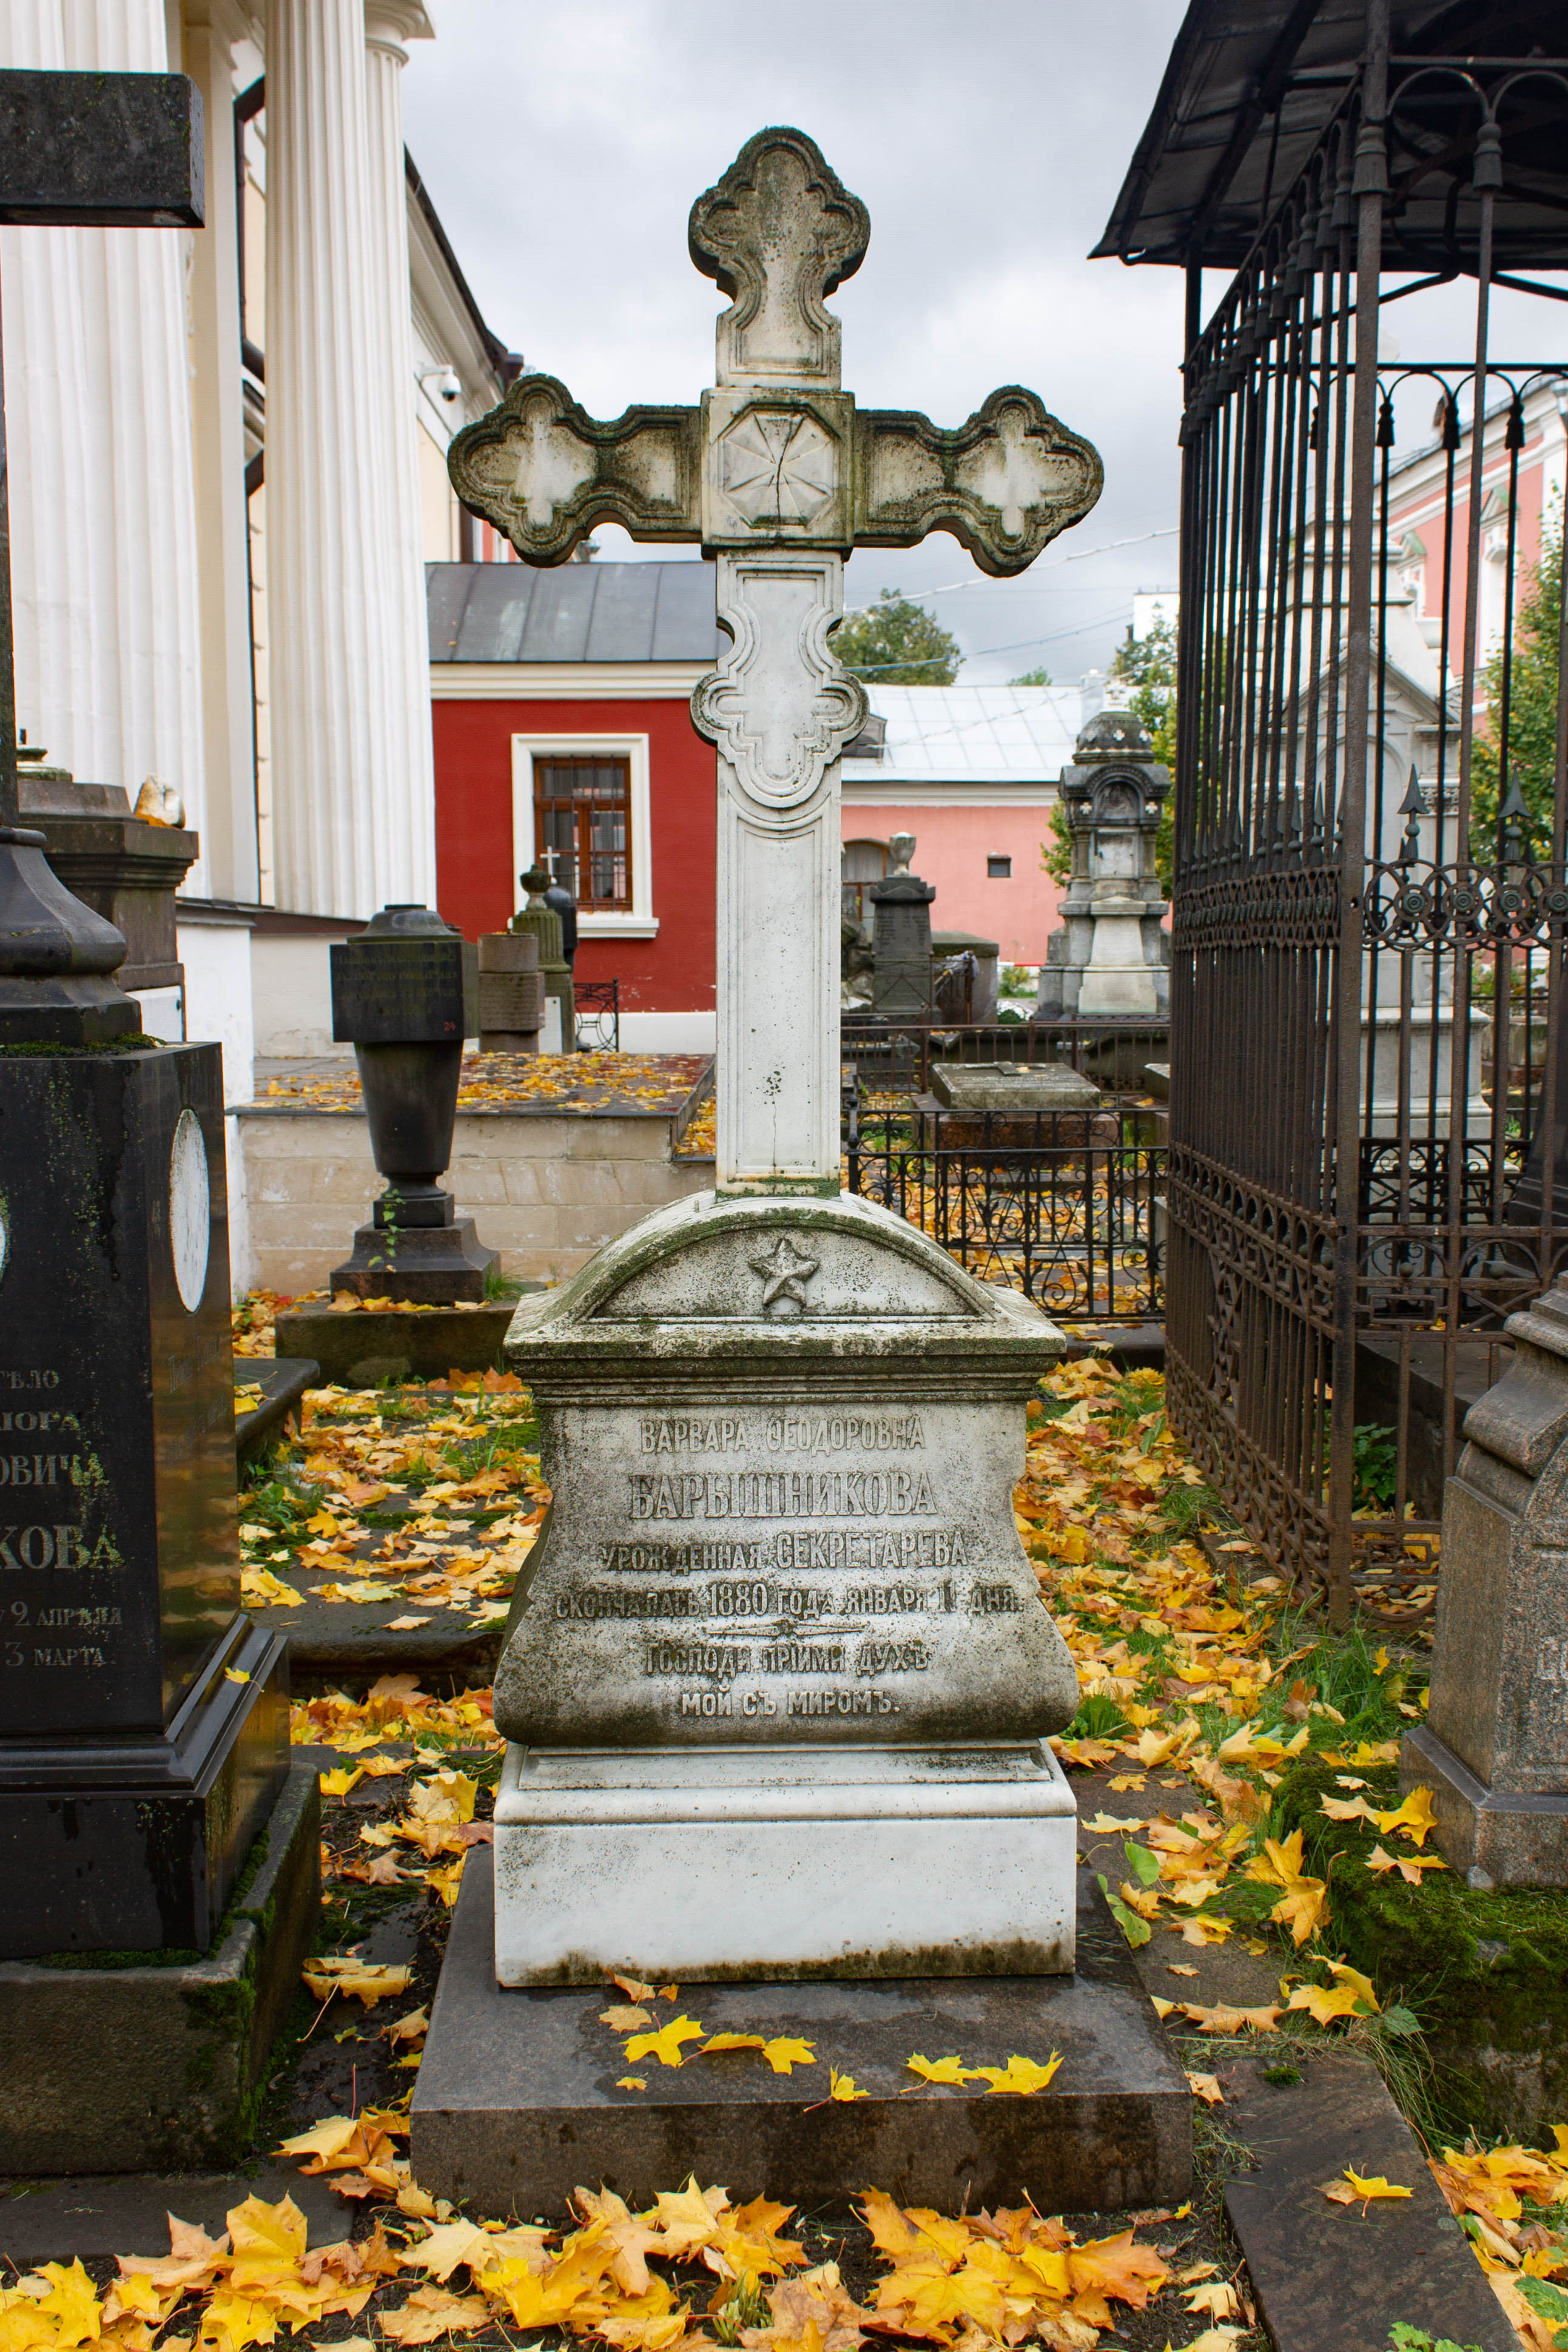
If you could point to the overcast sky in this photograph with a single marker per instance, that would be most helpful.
(563, 145)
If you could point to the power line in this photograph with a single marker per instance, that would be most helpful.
(1078, 555)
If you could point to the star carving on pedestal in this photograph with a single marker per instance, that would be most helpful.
(785, 1271)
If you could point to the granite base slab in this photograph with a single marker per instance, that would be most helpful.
(725, 1865)
(121, 2068)
(435, 1263)
(90, 2219)
(1329, 2278)
(283, 1381)
(350, 1643)
(1497, 1837)
(518, 2101)
(361, 1350)
(135, 1843)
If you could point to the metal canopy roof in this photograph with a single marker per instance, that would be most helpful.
(1249, 88)
(577, 612)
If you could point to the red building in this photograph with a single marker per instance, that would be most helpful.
(563, 724)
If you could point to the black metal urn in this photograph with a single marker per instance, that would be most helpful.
(405, 994)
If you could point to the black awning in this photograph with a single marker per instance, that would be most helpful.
(1250, 89)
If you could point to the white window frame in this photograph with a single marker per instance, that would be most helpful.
(639, 921)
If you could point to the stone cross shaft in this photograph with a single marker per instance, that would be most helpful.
(780, 476)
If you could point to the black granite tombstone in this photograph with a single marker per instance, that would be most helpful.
(405, 994)
(143, 1719)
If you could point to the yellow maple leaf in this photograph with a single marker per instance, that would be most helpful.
(624, 2017)
(71, 2303)
(665, 2044)
(843, 2087)
(1204, 1930)
(1020, 2076)
(1414, 1818)
(1409, 1866)
(338, 1782)
(446, 1882)
(232, 2321)
(431, 2312)
(733, 2041)
(1303, 1906)
(633, 1989)
(358, 1979)
(1351, 2189)
(1325, 2005)
(631, 2083)
(1225, 2018)
(939, 2070)
(446, 1796)
(1207, 2088)
(782, 2053)
(325, 2139)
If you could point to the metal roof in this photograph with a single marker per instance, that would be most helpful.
(1247, 94)
(576, 613)
(971, 734)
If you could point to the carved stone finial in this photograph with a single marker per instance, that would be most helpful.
(779, 233)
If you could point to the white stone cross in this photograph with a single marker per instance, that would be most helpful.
(779, 476)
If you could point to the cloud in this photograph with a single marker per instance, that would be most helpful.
(563, 146)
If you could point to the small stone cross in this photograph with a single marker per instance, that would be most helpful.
(780, 476)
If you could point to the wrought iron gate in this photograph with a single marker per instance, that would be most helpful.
(1367, 1038)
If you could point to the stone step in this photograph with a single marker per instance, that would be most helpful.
(518, 2101)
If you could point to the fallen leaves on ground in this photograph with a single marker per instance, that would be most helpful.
(1352, 2188)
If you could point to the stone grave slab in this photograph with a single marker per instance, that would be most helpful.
(1012, 1085)
(518, 2101)
(92, 2219)
(1336, 2278)
(283, 1381)
(360, 1349)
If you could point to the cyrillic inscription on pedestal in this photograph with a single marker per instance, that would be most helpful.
(799, 1528)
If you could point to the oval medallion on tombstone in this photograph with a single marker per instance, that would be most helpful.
(190, 1209)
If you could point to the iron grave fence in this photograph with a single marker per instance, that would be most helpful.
(1369, 1087)
(1066, 1206)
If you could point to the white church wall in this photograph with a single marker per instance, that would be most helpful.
(291, 989)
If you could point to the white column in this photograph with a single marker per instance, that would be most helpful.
(147, 649)
(229, 836)
(56, 488)
(350, 827)
(388, 25)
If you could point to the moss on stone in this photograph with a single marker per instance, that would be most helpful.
(1487, 1974)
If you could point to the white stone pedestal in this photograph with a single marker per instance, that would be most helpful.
(738, 1864)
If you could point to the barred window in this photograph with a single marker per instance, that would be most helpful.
(582, 827)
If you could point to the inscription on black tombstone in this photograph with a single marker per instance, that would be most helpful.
(125, 1663)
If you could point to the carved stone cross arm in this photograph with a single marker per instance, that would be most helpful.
(776, 465)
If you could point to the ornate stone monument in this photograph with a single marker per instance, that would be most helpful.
(779, 1680)
(1111, 958)
(1494, 1747)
